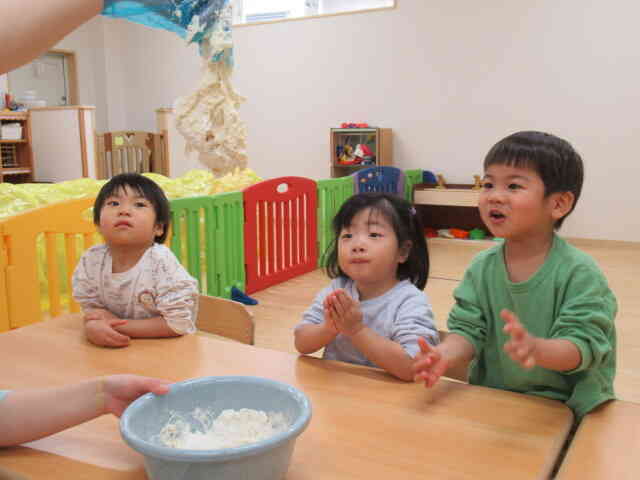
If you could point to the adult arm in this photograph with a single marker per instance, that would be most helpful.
(29, 28)
(28, 415)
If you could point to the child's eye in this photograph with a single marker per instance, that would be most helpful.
(487, 185)
(514, 186)
(140, 204)
(375, 234)
(113, 203)
(345, 236)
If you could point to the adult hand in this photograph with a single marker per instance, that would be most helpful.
(118, 391)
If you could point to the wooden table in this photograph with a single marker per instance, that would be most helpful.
(606, 445)
(365, 425)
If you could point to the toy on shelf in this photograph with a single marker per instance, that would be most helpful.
(441, 182)
(445, 233)
(453, 233)
(354, 125)
(477, 234)
(477, 185)
(430, 232)
(459, 233)
(428, 177)
(348, 156)
(364, 153)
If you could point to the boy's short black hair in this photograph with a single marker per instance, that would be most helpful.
(145, 187)
(554, 159)
(406, 225)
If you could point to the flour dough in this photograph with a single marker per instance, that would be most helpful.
(208, 118)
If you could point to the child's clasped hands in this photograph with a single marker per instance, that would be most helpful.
(342, 313)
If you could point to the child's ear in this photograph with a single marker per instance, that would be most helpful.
(561, 203)
(404, 250)
(158, 230)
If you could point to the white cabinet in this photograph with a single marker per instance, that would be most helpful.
(63, 143)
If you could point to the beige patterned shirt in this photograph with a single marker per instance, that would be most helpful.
(156, 286)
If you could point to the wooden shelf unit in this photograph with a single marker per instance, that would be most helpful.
(453, 207)
(16, 159)
(378, 139)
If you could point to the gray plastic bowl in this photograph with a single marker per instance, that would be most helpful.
(269, 459)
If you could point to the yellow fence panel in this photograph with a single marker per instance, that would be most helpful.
(4, 303)
(42, 241)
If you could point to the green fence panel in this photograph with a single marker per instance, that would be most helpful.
(411, 177)
(332, 193)
(207, 238)
(228, 240)
(188, 234)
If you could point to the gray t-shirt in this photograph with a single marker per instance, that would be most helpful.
(401, 314)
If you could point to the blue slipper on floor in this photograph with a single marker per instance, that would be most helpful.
(239, 296)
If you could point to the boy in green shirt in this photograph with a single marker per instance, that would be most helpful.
(534, 313)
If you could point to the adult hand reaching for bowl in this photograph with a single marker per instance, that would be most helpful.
(27, 415)
(118, 391)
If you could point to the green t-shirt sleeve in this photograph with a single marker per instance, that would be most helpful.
(586, 317)
(466, 317)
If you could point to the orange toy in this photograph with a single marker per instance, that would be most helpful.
(458, 233)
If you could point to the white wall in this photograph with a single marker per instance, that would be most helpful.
(450, 79)
(335, 6)
(88, 43)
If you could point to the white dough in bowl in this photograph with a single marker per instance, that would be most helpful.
(232, 428)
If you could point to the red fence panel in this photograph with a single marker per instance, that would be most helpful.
(280, 230)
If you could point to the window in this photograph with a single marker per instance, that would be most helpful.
(251, 11)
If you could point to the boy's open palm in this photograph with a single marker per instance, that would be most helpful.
(429, 364)
(522, 346)
(346, 312)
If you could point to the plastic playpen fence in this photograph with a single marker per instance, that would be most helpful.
(280, 230)
(411, 178)
(53, 231)
(332, 193)
(264, 235)
(207, 237)
(380, 179)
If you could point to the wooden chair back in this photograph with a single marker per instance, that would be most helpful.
(129, 151)
(226, 318)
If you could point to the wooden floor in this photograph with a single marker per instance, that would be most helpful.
(281, 306)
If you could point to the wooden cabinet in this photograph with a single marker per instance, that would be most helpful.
(16, 155)
(377, 140)
(453, 207)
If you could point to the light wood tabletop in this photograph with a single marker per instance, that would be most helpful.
(365, 425)
(606, 445)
